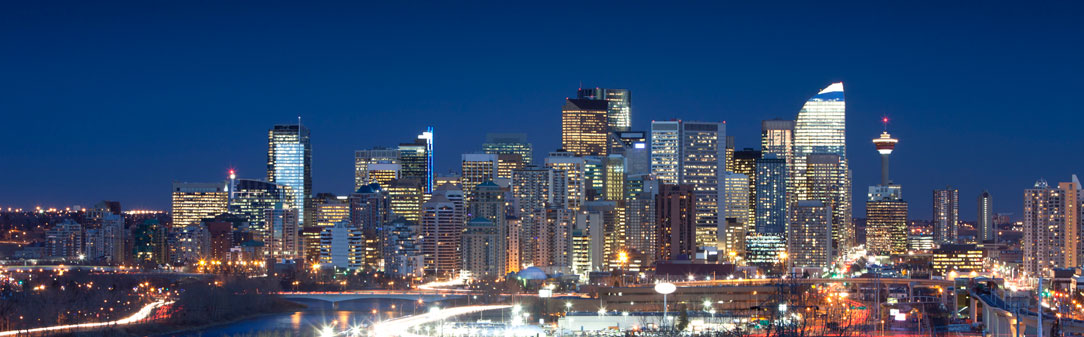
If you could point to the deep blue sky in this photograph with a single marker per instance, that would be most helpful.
(116, 100)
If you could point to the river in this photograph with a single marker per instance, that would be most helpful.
(318, 315)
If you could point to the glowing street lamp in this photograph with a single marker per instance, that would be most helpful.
(665, 288)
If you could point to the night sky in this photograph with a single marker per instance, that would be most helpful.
(116, 100)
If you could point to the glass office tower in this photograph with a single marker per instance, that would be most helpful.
(289, 163)
(821, 129)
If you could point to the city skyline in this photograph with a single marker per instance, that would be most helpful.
(217, 126)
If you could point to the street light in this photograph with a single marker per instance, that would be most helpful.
(665, 288)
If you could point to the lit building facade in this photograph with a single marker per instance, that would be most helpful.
(675, 218)
(810, 240)
(958, 258)
(1051, 227)
(946, 214)
(193, 202)
(686, 152)
(251, 199)
(481, 249)
(619, 105)
(777, 138)
(441, 229)
(405, 198)
(64, 240)
(771, 216)
(402, 249)
(329, 209)
(573, 187)
(341, 247)
(584, 127)
(736, 213)
(381, 160)
(509, 144)
(985, 225)
(416, 160)
(534, 190)
(886, 226)
(477, 168)
(489, 203)
(281, 240)
(745, 163)
(821, 129)
(370, 210)
(289, 163)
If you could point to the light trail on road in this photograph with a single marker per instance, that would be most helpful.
(402, 326)
(136, 317)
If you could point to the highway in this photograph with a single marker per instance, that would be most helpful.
(134, 318)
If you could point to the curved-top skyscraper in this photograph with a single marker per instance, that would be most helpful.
(821, 129)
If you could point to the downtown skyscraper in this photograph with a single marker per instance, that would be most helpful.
(821, 128)
(416, 160)
(289, 163)
(985, 222)
(693, 153)
(946, 215)
(619, 105)
(584, 127)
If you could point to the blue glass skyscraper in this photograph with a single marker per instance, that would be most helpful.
(289, 163)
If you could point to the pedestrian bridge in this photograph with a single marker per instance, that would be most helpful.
(340, 296)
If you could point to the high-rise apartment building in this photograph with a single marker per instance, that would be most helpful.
(810, 240)
(289, 163)
(375, 165)
(1051, 227)
(489, 203)
(694, 153)
(619, 105)
(341, 247)
(64, 240)
(534, 190)
(402, 249)
(640, 223)
(985, 224)
(675, 218)
(416, 160)
(442, 227)
(481, 249)
(149, 242)
(281, 241)
(946, 214)
(821, 129)
(370, 210)
(587, 242)
(477, 168)
(193, 202)
(554, 248)
(573, 187)
(584, 127)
